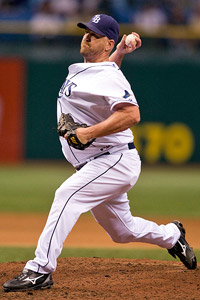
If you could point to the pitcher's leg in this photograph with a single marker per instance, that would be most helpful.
(115, 217)
(72, 199)
(80, 193)
(59, 224)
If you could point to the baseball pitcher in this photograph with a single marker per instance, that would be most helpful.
(96, 108)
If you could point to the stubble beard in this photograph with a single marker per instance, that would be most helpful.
(89, 54)
(85, 50)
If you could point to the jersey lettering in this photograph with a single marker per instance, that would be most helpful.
(66, 88)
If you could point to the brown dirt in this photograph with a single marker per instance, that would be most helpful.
(100, 278)
(112, 279)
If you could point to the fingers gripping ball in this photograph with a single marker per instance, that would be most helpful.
(131, 38)
(66, 125)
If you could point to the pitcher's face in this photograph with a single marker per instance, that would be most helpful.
(93, 45)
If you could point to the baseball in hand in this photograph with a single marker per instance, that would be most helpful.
(129, 38)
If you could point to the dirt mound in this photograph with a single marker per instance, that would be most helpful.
(111, 279)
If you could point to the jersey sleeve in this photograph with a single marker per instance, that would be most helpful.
(118, 90)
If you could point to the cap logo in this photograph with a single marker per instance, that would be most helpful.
(96, 19)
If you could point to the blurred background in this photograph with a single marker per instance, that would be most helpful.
(38, 41)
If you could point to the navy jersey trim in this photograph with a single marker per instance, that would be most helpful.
(73, 154)
(68, 201)
(90, 68)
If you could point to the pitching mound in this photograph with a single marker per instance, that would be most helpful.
(111, 279)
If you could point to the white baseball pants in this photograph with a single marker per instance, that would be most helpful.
(100, 186)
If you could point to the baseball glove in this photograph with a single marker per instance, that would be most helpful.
(67, 125)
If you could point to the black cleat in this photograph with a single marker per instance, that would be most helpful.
(183, 250)
(28, 280)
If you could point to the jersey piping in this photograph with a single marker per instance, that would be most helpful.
(87, 69)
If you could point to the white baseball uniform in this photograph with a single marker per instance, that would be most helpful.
(106, 170)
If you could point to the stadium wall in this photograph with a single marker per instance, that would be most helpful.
(167, 91)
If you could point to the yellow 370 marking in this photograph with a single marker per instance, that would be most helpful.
(156, 141)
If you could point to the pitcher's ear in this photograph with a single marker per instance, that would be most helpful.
(110, 45)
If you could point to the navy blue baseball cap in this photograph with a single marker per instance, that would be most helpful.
(104, 25)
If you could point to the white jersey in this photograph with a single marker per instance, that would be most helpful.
(90, 93)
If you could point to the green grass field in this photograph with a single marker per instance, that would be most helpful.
(160, 191)
(23, 254)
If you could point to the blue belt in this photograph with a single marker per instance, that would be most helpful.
(130, 146)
